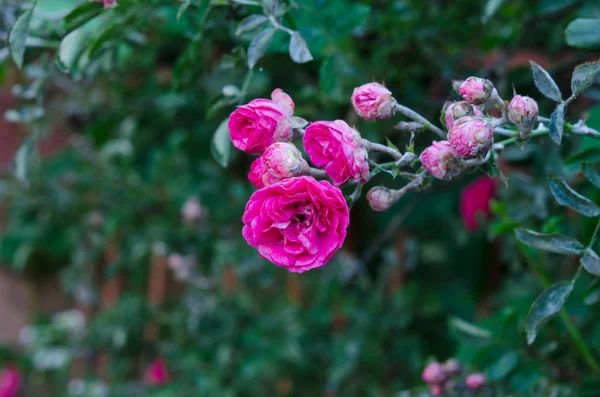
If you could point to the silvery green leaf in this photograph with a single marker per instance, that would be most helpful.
(17, 36)
(221, 144)
(258, 46)
(549, 303)
(583, 76)
(23, 159)
(491, 7)
(591, 174)
(545, 83)
(557, 243)
(565, 195)
(299, 51)
(251, 23)
(583, 33)
(591, 262)
(298, 122)
(557, 124)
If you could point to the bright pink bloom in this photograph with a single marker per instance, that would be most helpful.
(439, 161)
(283, 160)
(259, 175)
(475, 201)
(433, 374)
(255, 126)
(372, 101)
(107, 3)
(475, 381)
(10, 382)
(337, 147)
(298, 223)
(380, 198)
(476, 90)
(470, 137)
(523, 111)
(157, 373)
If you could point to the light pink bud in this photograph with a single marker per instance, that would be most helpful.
(476, 90)
(283, 160)
(475, 381)
(192, 211)
(455, 110)
(175, 261)
(372, 101)
(470, 137)
(452, 367)
(436, 390)
(380, 198)
(439, 161)
(523, 112)
(433, 374)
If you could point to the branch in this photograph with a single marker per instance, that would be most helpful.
(411, 114)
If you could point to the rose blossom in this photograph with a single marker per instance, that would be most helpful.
(470, 137)
(476, 90)
(475, 381)
(261, 122)
(380, 198)
(10, 382)
(439, 161)
(433, 374)
(107, 3)
(372, 101)
(157, 373)
(337, 147)
(298, 223)
(475, 201)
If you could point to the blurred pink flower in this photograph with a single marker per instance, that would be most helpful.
(157, 373)
(10, 382)
(107, 3)
(475, 201)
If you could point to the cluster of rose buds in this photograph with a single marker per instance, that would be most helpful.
(299, 222)
(445, 378)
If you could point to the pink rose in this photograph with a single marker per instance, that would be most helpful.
(380, 198)
(157, 373)
(10, 382)
(476, 90)
(475, 381)
(433, 374)
(475, 201)
(470, 137)
(337, 147)
(107, 3)
(255, 126)
(439, 161)
(372, 101)
(259, 175)
(298, 223)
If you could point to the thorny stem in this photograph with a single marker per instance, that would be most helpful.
(427, 125)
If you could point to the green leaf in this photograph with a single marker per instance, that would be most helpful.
(258, 46)
(557, 124)
(251, 23)
(583, 76)
(557, 243)
(469, 329)
(545, 83)
(590, 155)
(591, 174)
(591, 262)
(490, 9)
(501, 368)
(81, 15)
(221, 144)
(583, 33)
(17, 37)
(549, 303)
(75, 43)
(23, 159)
(565, 195)
(390, 144)
(299, 51)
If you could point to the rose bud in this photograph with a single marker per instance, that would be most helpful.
(439, 161)
(259, 175)
(436, 390)
(283, 160)
(455, 110)
(452, 367)
(372, 101)
(261, 122)
(380, 198)
(523, 111)
(157, 373)
(433, 374)
(337, 147)
(470, 137)
(476, 90)
(475, 381)
(192, 210)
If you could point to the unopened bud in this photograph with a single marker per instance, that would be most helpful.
(436, 390)
(433, 374)
(192, 210)
(283, 160)
(452, 367)
(372, 101)
(455, 110)
(470, 137)
(475, 381)
(380, 198)
(523, 112)
(476, 90)
(439, 161)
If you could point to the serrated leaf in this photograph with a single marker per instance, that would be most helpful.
(258, 46)
(23, 160)
(549, 303)
(299, 51)
(583, 76)
(82, 15)
(591, 262)
(557, 243)
(557, 124)
(565, 195)
(591, 174)
(583, 33)
(545, 83)
(17, 37)
(251, 23)
(221, 144)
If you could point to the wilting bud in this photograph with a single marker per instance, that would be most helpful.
(452, 367)
(372, 101)
(433, 374)
(523, 112)
(439, 161)
(380, 198)
(476, 90)
(470, 137)
(192, 210)
(283, 160)
(475, 381)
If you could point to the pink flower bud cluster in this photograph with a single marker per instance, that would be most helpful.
(444, 378)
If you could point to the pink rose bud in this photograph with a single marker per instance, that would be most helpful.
(475, 202)
(439, 161)
(436, 390)
(175, 261)
(157, 373)
(470, 137)
(260, 123)
(523, 112)
(337, 147)
(192, 210)
(433, 374)
(10, 382)
(298, 223)
(475, 381)
(107, 3)
(283, 160)
(372, 101)
(452, 367)
(455, 110)
(476, 90)
(259, 175)
(380, 198)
